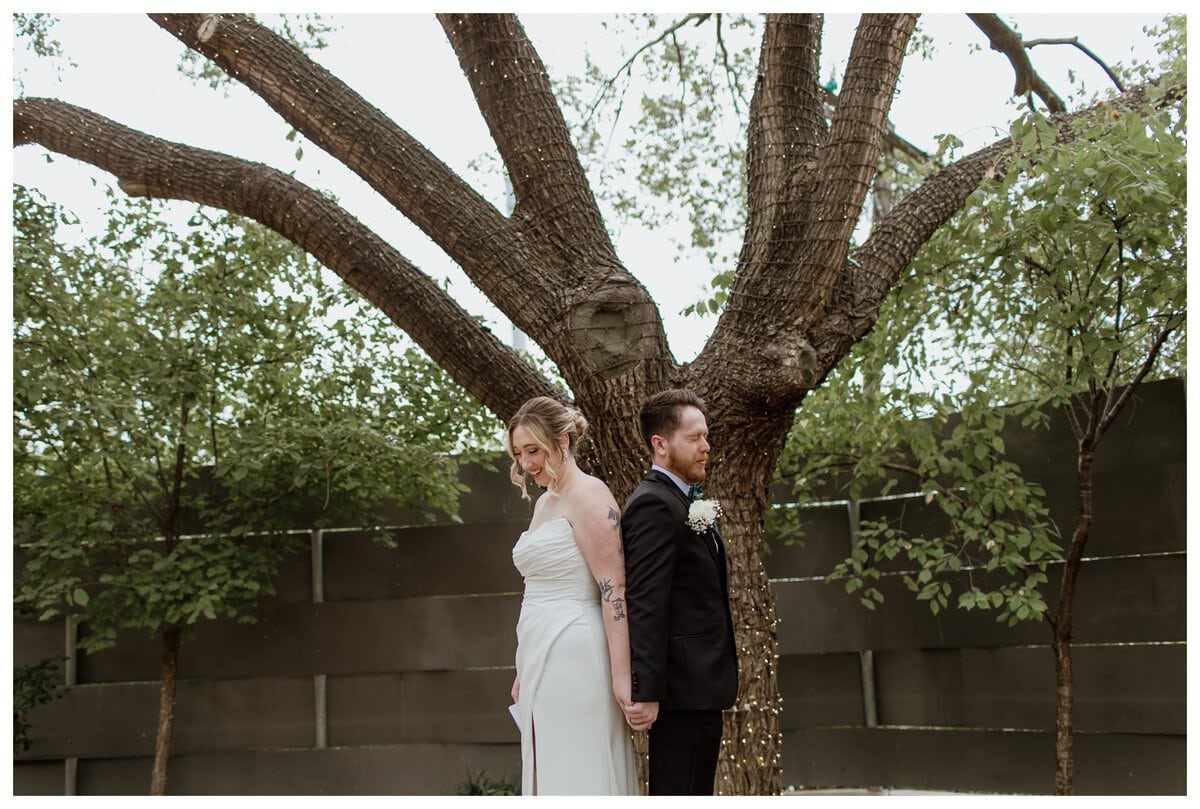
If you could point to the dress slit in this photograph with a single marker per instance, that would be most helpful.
(533, 744)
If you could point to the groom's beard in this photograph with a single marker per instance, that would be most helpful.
(690, 469)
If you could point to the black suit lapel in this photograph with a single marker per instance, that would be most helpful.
(658, 477)
(721, 557)
(711, 538)
(716, 549)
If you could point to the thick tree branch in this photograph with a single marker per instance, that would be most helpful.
(856, 136)
(784, 288)
(892, 141)
(892, 245)
(787, 128)
(152, 167)
(1009, 42)
(552, 268)
(513, 93)
(595, 320)
(895, 241)
(336, 118)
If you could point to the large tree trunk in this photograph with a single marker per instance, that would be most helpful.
(166, 711)
(751, 751)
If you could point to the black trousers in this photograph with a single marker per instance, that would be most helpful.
(684, 746)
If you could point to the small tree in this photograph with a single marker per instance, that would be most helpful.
(1065, 289)
(177, 400)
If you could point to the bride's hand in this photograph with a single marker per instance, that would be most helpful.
(641, 715)
(516, 689)
(623, 694)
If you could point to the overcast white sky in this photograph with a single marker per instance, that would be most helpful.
(125, 69)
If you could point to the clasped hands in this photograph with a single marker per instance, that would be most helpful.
(640, 715)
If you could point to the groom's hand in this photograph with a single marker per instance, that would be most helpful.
(640, 715)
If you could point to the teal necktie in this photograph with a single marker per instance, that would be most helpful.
(694, 492)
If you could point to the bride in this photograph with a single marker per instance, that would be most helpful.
(573, 672)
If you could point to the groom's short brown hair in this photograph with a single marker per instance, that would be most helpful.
(660, 413)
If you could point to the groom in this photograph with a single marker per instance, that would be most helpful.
(676, 590)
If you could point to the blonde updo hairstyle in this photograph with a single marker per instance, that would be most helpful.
(547, 420)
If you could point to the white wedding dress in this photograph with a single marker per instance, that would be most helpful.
(574, 740)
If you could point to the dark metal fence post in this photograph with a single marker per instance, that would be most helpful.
(866, 658)
(321, 705)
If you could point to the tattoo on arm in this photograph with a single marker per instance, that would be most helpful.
(618, 604)
(615, 516)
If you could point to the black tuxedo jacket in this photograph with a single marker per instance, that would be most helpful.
(677, 600)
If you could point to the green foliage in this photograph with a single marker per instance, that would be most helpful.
(36, 32)
(482, 784)
(33, 685)
(180, 394)
(1064, 276)
(1170, 68)
(683, 149)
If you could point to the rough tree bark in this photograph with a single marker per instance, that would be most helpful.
(797, 306)
(166, 711)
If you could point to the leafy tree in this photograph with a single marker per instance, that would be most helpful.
(33, 685)
(178, 400)
(1065, 287)
(803, 291)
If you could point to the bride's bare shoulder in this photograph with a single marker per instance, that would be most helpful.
(595, 487)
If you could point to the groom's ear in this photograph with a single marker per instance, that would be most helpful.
(659, 444)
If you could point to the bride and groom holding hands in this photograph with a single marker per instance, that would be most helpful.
(625, 621)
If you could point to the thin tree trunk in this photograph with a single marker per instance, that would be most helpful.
(1064, 730)
(1064, 749)
(166, 711)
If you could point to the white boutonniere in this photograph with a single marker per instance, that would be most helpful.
(702, 515)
